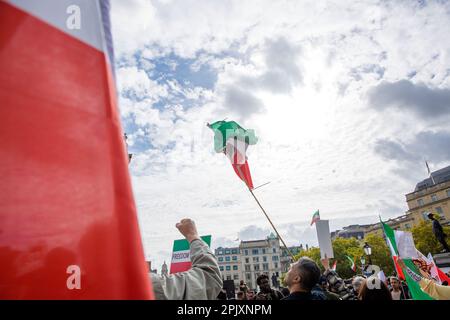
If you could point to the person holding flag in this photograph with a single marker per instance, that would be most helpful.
(430, 287)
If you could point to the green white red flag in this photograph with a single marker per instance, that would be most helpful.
(352, 263)
(181, 258)
(416, 292)
(315, 217)
(334, 266)
(233, 140)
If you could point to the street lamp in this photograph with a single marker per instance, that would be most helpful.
(368, 251)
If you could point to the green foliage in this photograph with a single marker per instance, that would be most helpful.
(352, 247)
(381, 255)
(425, 240)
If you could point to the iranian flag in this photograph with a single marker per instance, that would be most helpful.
(391, 237)
(315, 217)
(233, 140)
(334, 266)
(68, 220)
(352, 263)
(181, 258)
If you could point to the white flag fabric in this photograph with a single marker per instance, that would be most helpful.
(434, 269)
(382, 276)
(405, 244)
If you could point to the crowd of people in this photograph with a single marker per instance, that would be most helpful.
(304, 280)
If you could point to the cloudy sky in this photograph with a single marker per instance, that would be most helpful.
(347, 99)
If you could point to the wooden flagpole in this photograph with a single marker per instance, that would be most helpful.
(276, 231)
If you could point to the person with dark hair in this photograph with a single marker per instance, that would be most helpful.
(396, 291)
(439, 232)
(265, 291)
(241, 295)
(373, 289)
(301, 278)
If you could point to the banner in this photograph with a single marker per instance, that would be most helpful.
(181, 258)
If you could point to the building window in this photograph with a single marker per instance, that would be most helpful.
(407, 226)
(276, 265)
(425, 215)
(219, 252)
(274, 250)
(227, 258)
(263, 251)
(227, 251)
(274, 258)
(234, 251)
(236, 277)
(235, 267)
(265, 266)
(434, 197)
(255, 251)
(247, 267)
(247, 260)
(228, 268)
(439, 211)
(248, 276)
(255, 259)
(246, 252)
(228, 277)
(234, 258)
(264, 259)
(220, 259)
(221, 268)
(420, 202)
(256, 267)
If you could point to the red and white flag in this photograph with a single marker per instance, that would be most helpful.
(69, 226)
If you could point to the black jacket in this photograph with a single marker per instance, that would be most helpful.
(437, 230)
(299, 296)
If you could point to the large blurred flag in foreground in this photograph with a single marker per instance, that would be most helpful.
(68, 224)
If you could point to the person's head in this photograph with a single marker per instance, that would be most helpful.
(241, 295)
(430, 216)
(250, 294)
(373, 289)
(395, 283)
(263, 283)
(323, 283)
(241, 283)
(445, 283)
(357, 283)
(303, 275)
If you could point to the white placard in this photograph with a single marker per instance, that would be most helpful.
(324, 238)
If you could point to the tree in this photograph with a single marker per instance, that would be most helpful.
(424, 238)
(381, 255)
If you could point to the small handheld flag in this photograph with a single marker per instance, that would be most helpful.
(352, 263)
(315, 217)
(334, 266)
